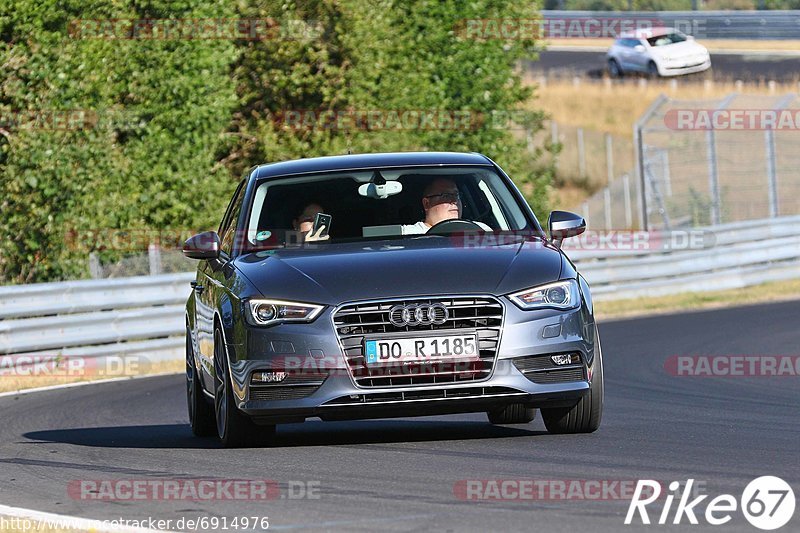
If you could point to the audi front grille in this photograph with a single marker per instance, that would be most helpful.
(358, 322)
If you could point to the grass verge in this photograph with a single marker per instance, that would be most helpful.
(778, 291)
(46, 378)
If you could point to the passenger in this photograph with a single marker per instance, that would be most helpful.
(304, 222)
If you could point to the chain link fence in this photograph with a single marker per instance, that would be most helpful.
(705, 162)
(153, 262)
(716, 161)
(598, 161)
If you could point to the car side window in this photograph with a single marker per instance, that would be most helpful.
(227, 231)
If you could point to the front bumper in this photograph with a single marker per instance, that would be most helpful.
(666, 69)
(330, 392)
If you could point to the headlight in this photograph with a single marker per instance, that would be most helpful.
(558, 295)
(268, 312)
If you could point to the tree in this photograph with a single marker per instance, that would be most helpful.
(169, 125)
(143, 159)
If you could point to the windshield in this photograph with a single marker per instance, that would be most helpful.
(666, 39)
(283, 211)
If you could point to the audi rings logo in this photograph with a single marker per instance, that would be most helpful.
(418, 315)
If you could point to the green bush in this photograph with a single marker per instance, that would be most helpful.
(148, 161)
(171, 125)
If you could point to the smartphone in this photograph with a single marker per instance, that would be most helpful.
(321, 219)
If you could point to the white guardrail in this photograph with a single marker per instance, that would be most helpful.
(143, 316)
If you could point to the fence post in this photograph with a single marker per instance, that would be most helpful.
(772, 173)
(581, 154)
(154, 256)
(713, 171)
(713, 178)
(639, 158)
(607, 208)
(95, 270)
(609, 158)
(626, 190)
(772, 178)
(638, 153)
(667, 177)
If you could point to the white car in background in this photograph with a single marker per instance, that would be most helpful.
(657, 52)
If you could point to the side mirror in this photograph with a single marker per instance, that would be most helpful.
(690, 38)
(639, 48)
(204, 245)
(563, 224)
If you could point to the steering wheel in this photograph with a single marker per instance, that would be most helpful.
(453, 225)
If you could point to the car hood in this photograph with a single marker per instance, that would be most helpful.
(684, 49)
(332, 273)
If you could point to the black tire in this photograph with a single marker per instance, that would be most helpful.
(585, 416)
(201, 412)
(614, 70)
(652, 70)
(234, 428)
(517, 413)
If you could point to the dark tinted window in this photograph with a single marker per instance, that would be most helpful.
(482, 197)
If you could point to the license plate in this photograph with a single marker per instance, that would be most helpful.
(421, 349)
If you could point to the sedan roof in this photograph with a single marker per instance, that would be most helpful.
(362, 161)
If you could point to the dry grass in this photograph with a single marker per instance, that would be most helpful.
(568, 195)
(768, 292)
(604, 106)
(712, 44)
(599, 107)
(10, 383)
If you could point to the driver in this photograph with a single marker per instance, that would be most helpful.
(441, 201)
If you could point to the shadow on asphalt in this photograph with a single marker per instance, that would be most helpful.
(312, 433)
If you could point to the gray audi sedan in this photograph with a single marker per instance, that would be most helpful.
(387, 285)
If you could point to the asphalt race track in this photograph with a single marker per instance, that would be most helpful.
(399, 475)
(724, 67)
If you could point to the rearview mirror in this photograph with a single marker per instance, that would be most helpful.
(204, 245)
(379, 188)
(563, 224)
(380, 191)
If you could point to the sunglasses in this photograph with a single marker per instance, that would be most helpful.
(449, 197)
